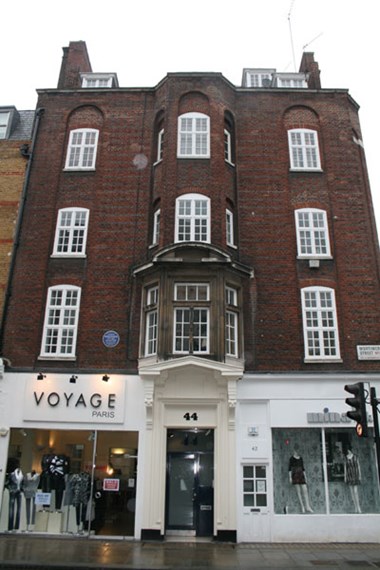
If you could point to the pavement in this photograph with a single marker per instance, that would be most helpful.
(23, 552)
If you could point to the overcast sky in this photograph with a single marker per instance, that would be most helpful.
(143, 40)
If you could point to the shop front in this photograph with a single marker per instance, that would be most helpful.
(69, 454)
(303, 473)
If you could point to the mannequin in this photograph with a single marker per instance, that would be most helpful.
(352, 478)
(30, 487)
(297, 477)
(14, 484)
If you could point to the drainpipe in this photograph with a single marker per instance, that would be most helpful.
(16, 241)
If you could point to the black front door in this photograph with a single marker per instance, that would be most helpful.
(190, 494)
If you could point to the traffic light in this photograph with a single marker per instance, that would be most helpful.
(359, 413)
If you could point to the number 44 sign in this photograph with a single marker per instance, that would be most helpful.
(188, 417)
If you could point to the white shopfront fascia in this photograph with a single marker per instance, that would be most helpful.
(313, 401)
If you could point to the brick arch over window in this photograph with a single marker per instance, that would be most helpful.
(85, 116)
(301, 117)
(194, 102)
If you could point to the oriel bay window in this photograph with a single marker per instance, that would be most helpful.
(191, 318)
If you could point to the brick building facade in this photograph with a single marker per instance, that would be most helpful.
(197, 279)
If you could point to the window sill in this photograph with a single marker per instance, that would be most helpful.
(68, 255)
(194, 156)
(320, 257)
(322, 360)
(79, 169)
(58, 357)
(319, 170)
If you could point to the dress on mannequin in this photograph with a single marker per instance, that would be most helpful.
(352, 478)
(297, 477)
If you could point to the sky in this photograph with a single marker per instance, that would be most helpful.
(143, 40)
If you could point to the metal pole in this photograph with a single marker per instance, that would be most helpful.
(374, 403)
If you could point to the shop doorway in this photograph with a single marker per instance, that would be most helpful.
(190, 482)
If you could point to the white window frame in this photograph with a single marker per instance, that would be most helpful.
(232, 322)
(98, 80)
(160, 145)
(190, 223)
(156, 226)
(193, 136)
(4, 124)
(151, 321)
(61, 322)
(312, 233)
(230, 240)
(320, 324)
(228, 147)
(255, 77)
(72, 227)
(304, 149)
(81, 152)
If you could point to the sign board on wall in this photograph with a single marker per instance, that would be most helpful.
(111, 484)
(368, 352)
(88, 400)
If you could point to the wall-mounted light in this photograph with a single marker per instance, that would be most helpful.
(105, 378)
(73, 379)
(41, 376)
(23, 432)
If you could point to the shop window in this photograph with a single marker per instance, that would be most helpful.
(50, 474)
(324, 471)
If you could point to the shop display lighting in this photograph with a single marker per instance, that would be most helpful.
(73, 379)
(105, 378)
(41, 376)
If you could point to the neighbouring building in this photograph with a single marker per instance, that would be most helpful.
(15, 139)
(197, 278)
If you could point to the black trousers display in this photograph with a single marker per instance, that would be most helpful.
(14, 510)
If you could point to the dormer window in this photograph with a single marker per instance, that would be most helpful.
(4, 122)
(291, 80)
(258, 77)
(99, 80)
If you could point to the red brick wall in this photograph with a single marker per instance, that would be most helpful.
(263, 192)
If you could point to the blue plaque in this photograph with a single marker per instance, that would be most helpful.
(111, 339)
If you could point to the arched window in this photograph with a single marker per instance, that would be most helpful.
(320, 324)
(61, 321)
(193, 136)
(192, 218)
